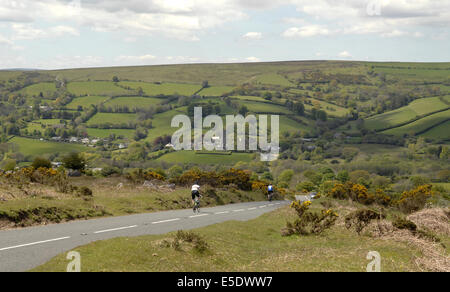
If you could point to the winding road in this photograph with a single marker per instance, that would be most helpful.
(26, 248)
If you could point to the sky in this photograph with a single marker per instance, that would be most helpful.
(59, 34)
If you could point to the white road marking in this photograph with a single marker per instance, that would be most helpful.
(254, 208)
(195, 216)
(165, 221)
(218, 213)
(263, 206)
(115, 229)
(34, 243)
(240, 210)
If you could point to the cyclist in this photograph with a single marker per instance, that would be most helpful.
(196, 197)
(270, 192)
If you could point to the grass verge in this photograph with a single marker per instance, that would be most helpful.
(250, 246)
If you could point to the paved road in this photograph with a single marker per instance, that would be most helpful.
(24, 249)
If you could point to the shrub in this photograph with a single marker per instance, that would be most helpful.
(40, 162)
(361, 218)
(402, 223)
(414, 200)
(85, 192)
(305, 187)
(9, 165)
(74, 161)
(358, 193)
(199, 244)
(286, 176)
(259, 186)
(309, 222)
(109, 170)
(140, 175)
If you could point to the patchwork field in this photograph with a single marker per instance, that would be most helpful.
(35, 147)
(96, 88)
(192, 157)
(133, 102)
(273, 79)
(215, 90)
(41, 125)
(46, 88)
(153, 89)
(105, 133)
(161, 123)
(260, 107)
(330, 109)
(86, 101)
(420, 125)
(441, 132)
(415, 109)
(111, 118)
(415, 72)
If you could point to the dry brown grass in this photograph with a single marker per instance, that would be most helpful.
(436, 220)
(434, 256)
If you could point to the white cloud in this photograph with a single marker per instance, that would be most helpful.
(253, 35)
(387, 18)
(25, 31)
(136, 60)
(306, 31)
(344, 54)
(5, 41)
(252, 59)
(182, 19)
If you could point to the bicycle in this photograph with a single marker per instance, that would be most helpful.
(197, 205)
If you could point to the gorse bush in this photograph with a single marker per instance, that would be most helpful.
(239, 178)
(414, 200)
(309, 222)
(140, 176)
(358, 193)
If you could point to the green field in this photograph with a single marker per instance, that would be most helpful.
(203, 159)
(111, 118)
(215, 90)
(415, 109)
(249, 98)
(441, 132)
(273, 79)
(291, 126)
(96, 88)
(415, 72)
(86, 101)
(153, 89)
(420, 125)
(105, 133)
(133, 102)
(262, 107)
(47, 89)
(41, 124)
(36, 147)
(330, 109)
(161, 123)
